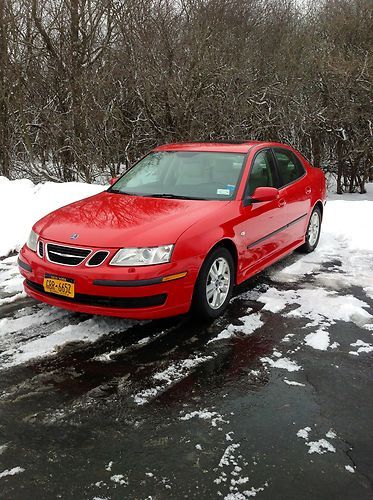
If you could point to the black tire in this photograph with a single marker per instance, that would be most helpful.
(309, 246)
(201, 306)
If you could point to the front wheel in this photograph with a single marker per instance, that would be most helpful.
(214, 284)
(313, 232)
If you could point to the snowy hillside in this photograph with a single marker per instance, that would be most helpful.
(22, 203)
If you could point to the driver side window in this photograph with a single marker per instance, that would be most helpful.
(262, 173)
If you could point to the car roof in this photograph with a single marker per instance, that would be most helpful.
(225, 147)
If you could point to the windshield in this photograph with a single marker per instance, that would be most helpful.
(183, 174)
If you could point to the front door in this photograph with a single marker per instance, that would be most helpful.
(260, 223)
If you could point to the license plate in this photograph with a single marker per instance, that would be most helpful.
(59, 285)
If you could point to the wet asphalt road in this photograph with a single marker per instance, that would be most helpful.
(94, 420)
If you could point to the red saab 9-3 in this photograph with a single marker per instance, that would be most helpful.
(177, 231)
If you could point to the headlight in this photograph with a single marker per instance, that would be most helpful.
(142, 256)
(32, 240)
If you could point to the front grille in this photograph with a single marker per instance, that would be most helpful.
(98, 258)
(69, 256)
(40, 249)
(102, 301)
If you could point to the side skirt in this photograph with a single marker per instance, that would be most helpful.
(251, 271)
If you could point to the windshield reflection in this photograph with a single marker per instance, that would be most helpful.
(183, 175)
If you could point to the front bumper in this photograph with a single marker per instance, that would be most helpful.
(136, 292)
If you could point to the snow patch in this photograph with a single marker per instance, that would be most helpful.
(11, 472)
(321, 446)
(13, 298)
(282, 363)
(303, 433)
(170, 376)
(320, 306)
(228, 455)
(318, 340)
(3, 447)
(86, 331)
(178, 370)
(334, 345)
(250, 323)
(362, 347)
(119, 479)
(212, 416)
(41, 317)
(293, 382)
(350, 469)
(331, 434)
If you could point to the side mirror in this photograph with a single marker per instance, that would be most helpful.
(113, 181)
(264, 194)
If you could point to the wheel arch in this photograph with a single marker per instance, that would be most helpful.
(231, 247)
(319, 205)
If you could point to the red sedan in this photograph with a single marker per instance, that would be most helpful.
(178, 230)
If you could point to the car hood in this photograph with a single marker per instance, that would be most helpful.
(115, 220)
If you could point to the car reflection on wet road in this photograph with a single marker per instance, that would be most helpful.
(272, 400)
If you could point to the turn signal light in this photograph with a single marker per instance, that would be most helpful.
(174, 276)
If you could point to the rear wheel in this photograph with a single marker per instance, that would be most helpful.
(313, 232)
(214, 284)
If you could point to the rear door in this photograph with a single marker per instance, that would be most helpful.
(295, 190)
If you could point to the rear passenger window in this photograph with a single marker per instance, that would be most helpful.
(289, 166)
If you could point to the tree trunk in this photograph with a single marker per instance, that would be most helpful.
(4, 94)
(339, 167)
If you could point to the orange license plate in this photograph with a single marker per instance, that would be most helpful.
(59, 285)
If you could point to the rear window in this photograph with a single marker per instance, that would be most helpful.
(289, 166)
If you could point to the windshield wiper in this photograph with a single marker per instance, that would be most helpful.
(117, 191)
(174, 196)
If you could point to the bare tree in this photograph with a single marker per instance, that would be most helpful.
(87, 86)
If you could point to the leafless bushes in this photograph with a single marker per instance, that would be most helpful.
(87, 86)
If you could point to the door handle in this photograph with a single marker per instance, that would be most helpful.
(308, 190)
(281, 203)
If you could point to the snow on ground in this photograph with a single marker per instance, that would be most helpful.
(11, 472)
(349, 469)
(282, 363)
(322, 445)
(212, 416)
(318, 340)
(293, 382)
(25, 203)
(86, 331)
(346, 238)
(170, 376)
(3, 447)
(361, 347)
(11, 287)
(319, 305)
(42, 316)
(250, 323)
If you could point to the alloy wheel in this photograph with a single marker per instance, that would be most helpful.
(313, 228)
(218, 283)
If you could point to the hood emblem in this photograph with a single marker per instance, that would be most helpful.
(74, 236)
